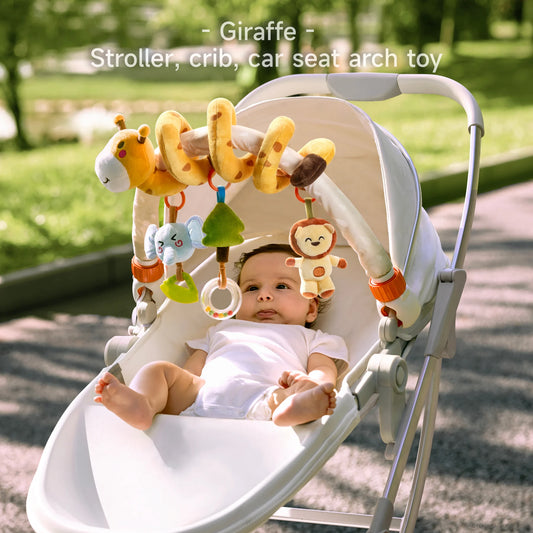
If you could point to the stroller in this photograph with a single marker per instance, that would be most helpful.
(195, 474)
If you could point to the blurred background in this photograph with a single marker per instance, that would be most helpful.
(63, 81)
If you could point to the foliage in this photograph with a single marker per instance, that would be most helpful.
(29, 28)
(419, 22)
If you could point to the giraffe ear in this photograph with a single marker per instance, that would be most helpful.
(120, 122)
(144, 131)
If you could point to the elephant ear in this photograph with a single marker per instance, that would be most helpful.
(194, 227)
(149, 242)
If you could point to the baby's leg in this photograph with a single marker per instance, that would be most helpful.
(158, 387)
(305, 406)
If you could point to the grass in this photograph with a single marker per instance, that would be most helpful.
(53, 206)
(107, 89)
(53, 212)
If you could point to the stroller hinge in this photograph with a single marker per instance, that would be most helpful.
(442, 339)
(386, 375)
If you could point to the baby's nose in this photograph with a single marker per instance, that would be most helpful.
(264, 295)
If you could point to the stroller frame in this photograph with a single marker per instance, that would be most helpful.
(375, 380)
(441, 340)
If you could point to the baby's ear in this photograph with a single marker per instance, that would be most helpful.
(312, 314)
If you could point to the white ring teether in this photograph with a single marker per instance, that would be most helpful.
(210, 309)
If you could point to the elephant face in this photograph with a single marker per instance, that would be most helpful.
(174, 242)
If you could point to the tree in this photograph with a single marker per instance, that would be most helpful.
(30, 28)
(352, 12)
(419, 22)
(414, 22)
(14, 22)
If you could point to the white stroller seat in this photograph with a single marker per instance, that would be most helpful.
(188, 474)
(230, 485)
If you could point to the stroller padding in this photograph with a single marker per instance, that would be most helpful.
(171, 471)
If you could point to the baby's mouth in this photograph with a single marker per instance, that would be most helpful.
(266, 314)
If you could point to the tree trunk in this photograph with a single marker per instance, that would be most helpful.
(11, 87)
(267, 48)
(352, 8)
(296, 44)
(11, 90)
(447, 29)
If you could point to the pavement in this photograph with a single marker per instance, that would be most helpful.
(481, 469)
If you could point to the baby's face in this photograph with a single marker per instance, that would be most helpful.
(271, 292)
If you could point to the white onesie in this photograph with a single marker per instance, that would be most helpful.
(246, 359)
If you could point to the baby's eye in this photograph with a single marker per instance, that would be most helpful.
(251, 288)
(282, 286)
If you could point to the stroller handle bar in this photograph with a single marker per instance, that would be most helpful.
(368, 87)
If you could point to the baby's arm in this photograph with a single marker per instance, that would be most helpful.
(196, 361)
(321, 368)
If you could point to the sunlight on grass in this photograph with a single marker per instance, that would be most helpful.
(107, 88)
(57, 207)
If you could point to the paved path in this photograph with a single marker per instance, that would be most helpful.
(481, 471)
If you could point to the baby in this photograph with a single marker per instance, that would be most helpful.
(265, 364)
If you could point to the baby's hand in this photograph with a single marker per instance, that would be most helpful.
(290, 377)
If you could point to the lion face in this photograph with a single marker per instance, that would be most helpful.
(314, 240)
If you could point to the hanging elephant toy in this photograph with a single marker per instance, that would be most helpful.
(174, 243)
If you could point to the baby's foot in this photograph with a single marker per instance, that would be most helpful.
(129, 405)
(306, 406)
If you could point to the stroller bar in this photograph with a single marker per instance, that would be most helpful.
(330, 518)
(442, 86)
(365, 86)
(467, 219)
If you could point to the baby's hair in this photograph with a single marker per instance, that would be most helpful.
(271, 249)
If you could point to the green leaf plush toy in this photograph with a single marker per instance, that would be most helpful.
(222, 229)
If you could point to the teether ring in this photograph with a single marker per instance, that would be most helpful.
(214, 312)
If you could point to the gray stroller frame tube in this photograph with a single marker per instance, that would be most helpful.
(376, 87)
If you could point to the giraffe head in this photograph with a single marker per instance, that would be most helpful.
(127, 160)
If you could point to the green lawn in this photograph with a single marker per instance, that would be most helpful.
(53, 206)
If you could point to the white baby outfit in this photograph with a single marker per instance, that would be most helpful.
(246, 359)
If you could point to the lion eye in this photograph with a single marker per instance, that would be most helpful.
(321, 237)
(308, 239)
